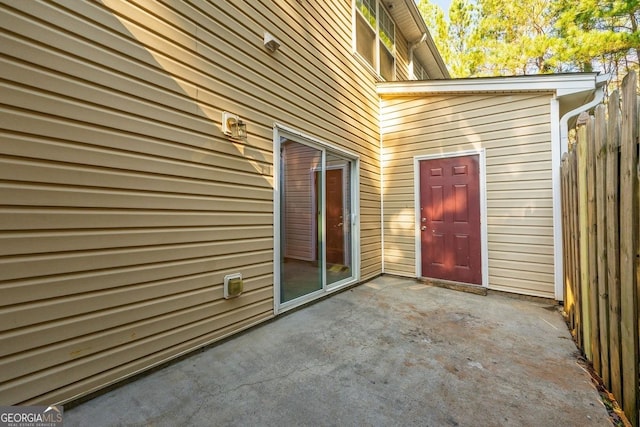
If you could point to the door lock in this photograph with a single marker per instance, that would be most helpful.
(423, 228)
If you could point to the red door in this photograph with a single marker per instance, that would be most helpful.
(450, 219)
(335, 220)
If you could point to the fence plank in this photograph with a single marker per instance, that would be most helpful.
(637, 234)
(613, 266)
(637, 248)
(601, 242)
(590, 238)
(628, 220)
(569, 265)
(566, 258)
(575, 245)
(583, 231)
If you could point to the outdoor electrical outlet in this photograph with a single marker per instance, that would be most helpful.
(233, 285)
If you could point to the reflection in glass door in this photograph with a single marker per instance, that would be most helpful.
(338, 218)
(316, 248)
(301, 262)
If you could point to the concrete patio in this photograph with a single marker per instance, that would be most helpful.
(389, 352)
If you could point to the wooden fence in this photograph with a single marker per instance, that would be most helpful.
(601, 235)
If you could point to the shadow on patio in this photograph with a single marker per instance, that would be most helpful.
(389, 352)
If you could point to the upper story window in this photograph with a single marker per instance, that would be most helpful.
(375, 35)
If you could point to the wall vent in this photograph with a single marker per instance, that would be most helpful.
(233, 285)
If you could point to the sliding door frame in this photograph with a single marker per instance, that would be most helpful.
(280, 131)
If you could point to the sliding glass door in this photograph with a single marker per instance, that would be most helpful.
(301, 223)
(338, 218)
(316, 219)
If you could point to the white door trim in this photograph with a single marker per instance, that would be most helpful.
(481, 153)
(278, 131)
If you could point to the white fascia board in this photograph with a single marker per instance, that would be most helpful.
(560, 84)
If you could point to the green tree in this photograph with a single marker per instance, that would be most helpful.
(600, 35)
(515, 37)
(496, 37)
(455, 37)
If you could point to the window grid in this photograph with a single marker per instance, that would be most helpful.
(381, 55)
(387, 30)
(368, 10)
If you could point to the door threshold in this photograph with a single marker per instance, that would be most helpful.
(456, 286)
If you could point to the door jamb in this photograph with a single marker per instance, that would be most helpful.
(481, 153)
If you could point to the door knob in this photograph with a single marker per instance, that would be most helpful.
(423, 228)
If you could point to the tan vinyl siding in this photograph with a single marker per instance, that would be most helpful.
(402, 58)
(515, 132)
(123, 206)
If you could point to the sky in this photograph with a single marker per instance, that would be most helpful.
(444, 5)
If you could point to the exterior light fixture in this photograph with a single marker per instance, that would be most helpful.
(271, 42)
(233, 126)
